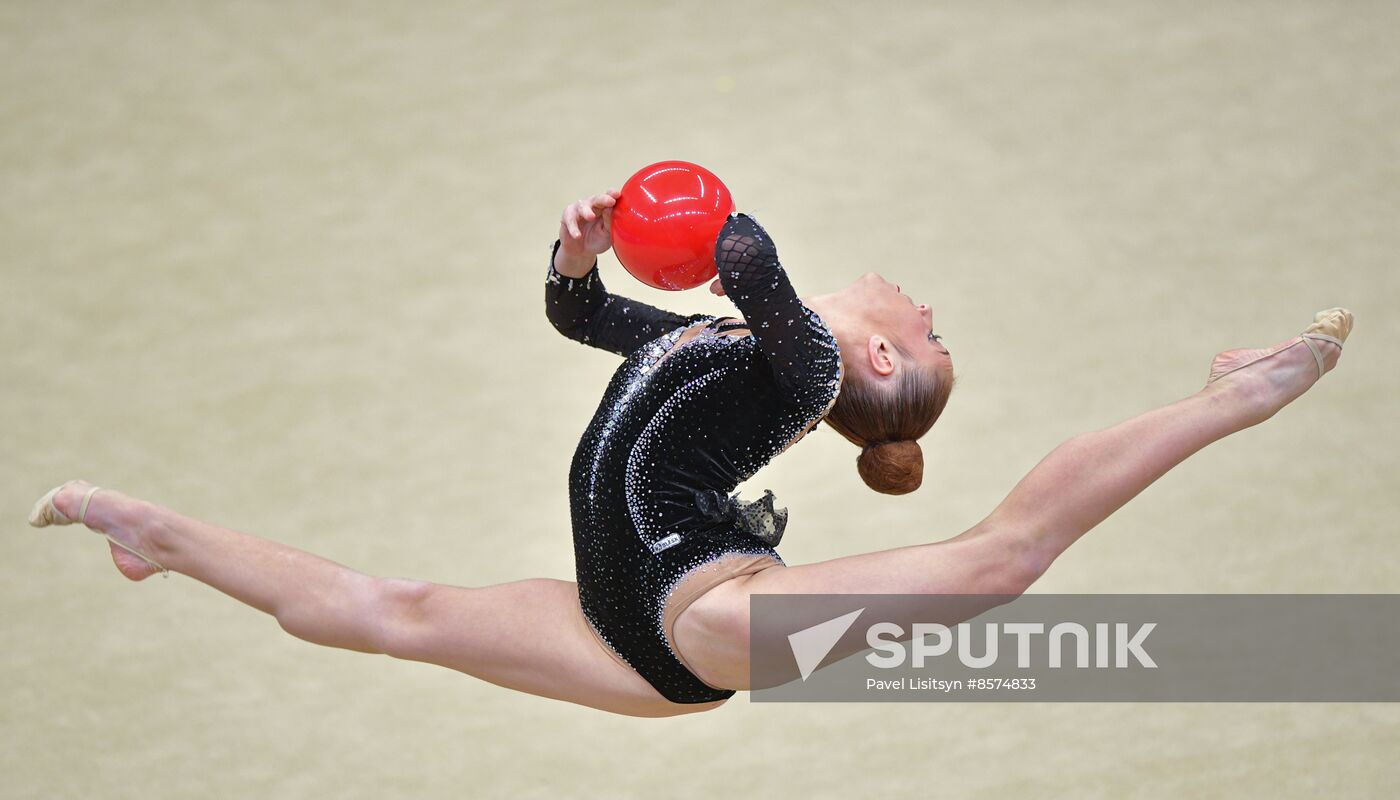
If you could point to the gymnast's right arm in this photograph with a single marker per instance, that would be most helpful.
(576, 301)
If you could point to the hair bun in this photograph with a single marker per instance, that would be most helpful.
(892, 467)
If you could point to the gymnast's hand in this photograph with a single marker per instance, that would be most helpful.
(585, 230)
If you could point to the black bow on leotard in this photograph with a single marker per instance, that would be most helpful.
(758, 519)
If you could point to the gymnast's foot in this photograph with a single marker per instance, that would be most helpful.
(117, 516)
(1269, 379)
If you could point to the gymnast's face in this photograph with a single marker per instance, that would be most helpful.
(900, 327)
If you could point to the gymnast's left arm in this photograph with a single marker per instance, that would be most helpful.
(577, 303)
(800, 350)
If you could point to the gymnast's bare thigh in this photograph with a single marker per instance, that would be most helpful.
(530, 636)
(711, 635)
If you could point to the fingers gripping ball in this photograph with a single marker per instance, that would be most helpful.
(666, 221)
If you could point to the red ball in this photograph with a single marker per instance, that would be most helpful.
(665, 224)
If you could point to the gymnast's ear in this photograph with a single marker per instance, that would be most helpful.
(881, 354)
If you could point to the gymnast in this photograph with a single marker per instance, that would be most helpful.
(657, 623)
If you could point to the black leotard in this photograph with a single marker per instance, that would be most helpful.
(678, 429)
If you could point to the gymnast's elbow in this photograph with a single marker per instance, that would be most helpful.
(570, 327)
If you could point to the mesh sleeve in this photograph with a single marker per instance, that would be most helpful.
(798, 346)
(582, 309)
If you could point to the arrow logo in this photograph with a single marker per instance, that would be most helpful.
(811, 645)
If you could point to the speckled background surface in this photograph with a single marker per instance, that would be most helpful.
(278, 266)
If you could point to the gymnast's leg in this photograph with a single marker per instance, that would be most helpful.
(528, 635)
(1073, 489)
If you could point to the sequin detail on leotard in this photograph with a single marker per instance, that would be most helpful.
(679, 427)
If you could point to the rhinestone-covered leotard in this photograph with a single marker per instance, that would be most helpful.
(679, 426)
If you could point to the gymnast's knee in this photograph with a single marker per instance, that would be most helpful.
(1007, 562)
(401, 617)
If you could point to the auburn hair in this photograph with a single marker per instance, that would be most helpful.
(886, 421)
